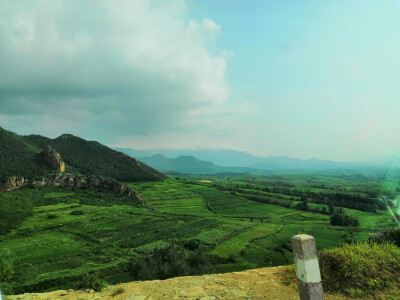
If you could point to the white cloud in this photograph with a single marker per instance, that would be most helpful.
(133, 67)
(227, 54)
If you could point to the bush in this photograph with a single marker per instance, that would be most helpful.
(92, 281)
(77, 213)
(169, 262)
(6, 271)
(360, 269)
(391, 235)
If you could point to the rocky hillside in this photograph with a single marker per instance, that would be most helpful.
(74, 181)
(24, 156)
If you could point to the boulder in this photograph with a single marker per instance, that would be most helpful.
(13, 183)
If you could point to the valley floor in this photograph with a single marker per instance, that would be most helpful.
(51, 237)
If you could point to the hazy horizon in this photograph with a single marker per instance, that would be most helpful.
(300, 79)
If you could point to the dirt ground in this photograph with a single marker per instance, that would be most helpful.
(263, 283)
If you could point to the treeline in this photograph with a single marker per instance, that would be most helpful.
(338, 214)
(344, 220)
(387, 235)
(357, 202)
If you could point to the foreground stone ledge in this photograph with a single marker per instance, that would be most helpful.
(252, 284)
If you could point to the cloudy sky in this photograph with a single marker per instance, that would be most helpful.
(297, 78)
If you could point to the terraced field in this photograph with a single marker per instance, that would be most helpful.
(59, 234)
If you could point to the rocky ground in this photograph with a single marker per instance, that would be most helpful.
(253, 284)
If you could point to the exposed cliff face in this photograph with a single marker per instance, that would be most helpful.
(75, 181)
(13, 183)
(53, 159)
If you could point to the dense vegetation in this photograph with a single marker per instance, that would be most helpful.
(360, 269)
(21, 156)
(13, 210)
(387, 235)
(93, 158)
(18, 157)
(192, 227)
(178, 259)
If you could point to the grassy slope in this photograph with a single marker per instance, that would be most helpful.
(18, 157)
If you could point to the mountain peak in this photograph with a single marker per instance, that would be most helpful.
(22, 157)
(66, 136)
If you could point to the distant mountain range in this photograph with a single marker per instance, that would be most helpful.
(182, 164)
(217, 161)
(22, 156)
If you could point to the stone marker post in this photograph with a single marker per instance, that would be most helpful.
(307, 267)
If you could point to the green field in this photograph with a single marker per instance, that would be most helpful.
(53, 236)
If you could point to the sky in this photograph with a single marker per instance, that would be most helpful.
(290, 78)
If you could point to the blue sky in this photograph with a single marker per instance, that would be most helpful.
(298, 78)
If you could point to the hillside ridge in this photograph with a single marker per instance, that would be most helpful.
(24, 156)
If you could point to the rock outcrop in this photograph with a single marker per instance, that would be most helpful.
(75, 181)
(53, 159)
(13, 183)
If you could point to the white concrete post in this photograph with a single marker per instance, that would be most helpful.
(307, 267)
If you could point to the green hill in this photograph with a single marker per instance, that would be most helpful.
(21, 156)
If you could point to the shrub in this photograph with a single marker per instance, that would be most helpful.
(391, 235)
(6, 271)
(76, 213)
(169, 262)
(92, 281)
(232, 258)
(360, 269)
(289, 275)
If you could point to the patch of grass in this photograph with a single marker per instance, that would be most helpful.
(59, 195)
(360, 269)
(234, 245)
(289, 275)
(118, 291)
(77, 213)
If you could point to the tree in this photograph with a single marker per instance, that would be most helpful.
(331, 208)
(6, 271)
